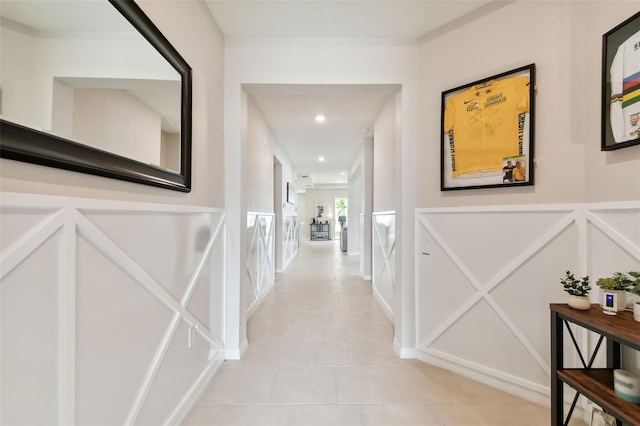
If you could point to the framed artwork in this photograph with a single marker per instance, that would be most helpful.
(600, 418)
(621, 85)
(487, 132)
(291, 194)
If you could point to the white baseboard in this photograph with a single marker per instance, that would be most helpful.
(194, 393)
(256, 304)
(404, 353)
(497, 379)
(236, 353)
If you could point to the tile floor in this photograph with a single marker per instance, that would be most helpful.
(320, 353)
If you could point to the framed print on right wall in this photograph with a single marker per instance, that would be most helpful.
(486, 132)
(621, 85)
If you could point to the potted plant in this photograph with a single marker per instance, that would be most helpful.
(618, 283)
(578, 289)
(634, 288)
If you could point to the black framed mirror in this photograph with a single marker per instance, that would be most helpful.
(125, 116)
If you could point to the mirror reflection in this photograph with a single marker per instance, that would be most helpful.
(79, 70)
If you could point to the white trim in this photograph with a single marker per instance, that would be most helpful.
(578, 217)
(67, 318)
(184, 406)
(65, 215)
(379, 271)
(488, 376)
(404, 353)
(262, 243)
(384, 305)
(236, 353)
(256, 304)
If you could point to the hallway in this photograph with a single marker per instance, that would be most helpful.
(320, 353)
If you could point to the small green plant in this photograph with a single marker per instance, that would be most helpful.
(634, 287)
(575, 286)
(618, 281)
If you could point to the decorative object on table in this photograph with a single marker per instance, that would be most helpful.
(620, 98)
(486, 132)
(626, 385)
(618, 284)
(600, 418)
(635, 289)
(578, 289)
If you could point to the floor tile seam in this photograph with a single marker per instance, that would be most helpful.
(319, 404)
(267, 367)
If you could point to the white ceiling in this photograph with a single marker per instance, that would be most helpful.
(349, 110)
(290, 109)
(380, 19)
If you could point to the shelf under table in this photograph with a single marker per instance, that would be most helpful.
(597, 385)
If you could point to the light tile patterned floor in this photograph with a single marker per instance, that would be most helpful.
(320, 353)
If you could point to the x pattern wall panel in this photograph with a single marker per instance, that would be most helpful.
(260, 259)
(485, 278)
(384, 255)
(122, 303)
(291, 232)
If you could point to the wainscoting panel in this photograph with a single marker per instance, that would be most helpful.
(485, 277)
(384, 255)
(291, 239)
(260, 258)
(112, 312)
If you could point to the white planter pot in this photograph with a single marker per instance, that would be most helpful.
(579, 302)
(621, 298)
(636, 311)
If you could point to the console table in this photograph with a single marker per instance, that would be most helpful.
(594, 383)
(320, 231)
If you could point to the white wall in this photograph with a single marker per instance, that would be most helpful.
(259, 191)
(262, 150)
(464, 244)
(128, 57)
(172, 373)
(386, 146)
(486, 276)
(105, 320)
(564, 40)
(361, 198)
(193, 32)
(384, 154)
(103, 120)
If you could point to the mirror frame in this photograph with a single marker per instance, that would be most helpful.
(33, 146)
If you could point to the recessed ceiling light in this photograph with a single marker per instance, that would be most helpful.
(321, 159)
(342, 173)
(320, 118)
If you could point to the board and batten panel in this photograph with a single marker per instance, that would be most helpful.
(120, 305)
(384, 256)
(486, 276)
(260, 266)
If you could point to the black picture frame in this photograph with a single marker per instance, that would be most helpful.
(466, 165)
(620, 123)
(25, 144)
(291, 194)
